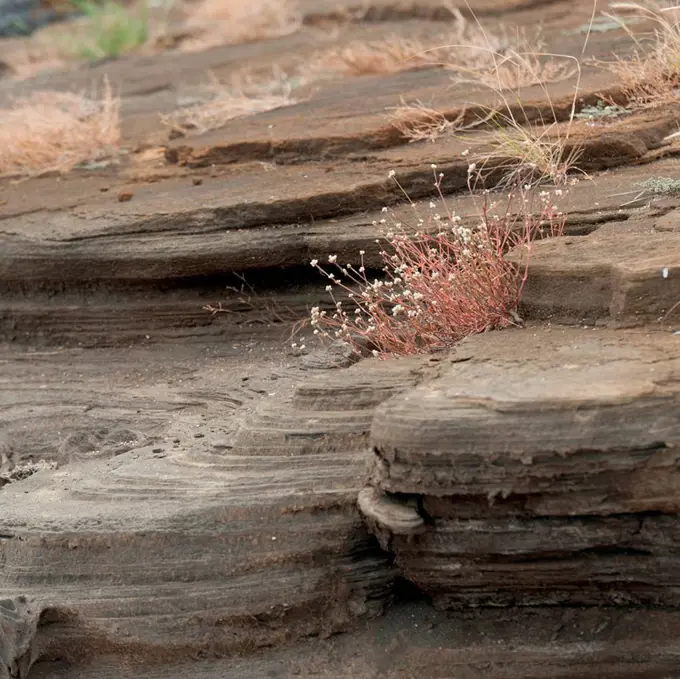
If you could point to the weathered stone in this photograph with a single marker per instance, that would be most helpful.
(626, 275)
(207, 548)
(550, 476)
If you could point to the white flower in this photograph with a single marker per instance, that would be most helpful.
(329, 288)
(362, 252)
(433, 166)
(332, 259)
(433, 204)
(392, 174)
(472, 167)
(664, 272)
(375, 353)
(314, 262)
(466, 152)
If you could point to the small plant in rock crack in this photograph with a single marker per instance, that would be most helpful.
(661, 186)
(443, 279)
(602, 110)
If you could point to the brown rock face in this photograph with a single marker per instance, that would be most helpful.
(215, 545)
(551, 476)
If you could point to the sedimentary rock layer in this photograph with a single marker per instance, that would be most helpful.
(208, 545)
(548, 476)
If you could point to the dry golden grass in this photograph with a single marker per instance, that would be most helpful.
(390, 55)
(501, 59)
(55, 131)
(466, 46)
(529, 154)
(516, 69)
(223, 103)
(651, 75)
(417, 122)
(226, 22)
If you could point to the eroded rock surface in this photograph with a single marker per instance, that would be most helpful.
(547, 474)
(196, 491)
(237, 528)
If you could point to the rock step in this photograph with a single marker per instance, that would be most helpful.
(165, 551)
(545, 472)
(629, 275)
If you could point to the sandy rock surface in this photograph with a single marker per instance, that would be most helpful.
(185, 493)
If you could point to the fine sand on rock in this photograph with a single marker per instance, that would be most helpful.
(191, 486)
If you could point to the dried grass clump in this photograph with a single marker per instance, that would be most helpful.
(224, 103)
(55, 131)
(443, 280)
(391, 55)
(466, 46)
(417, 122)
(514, 70)
(227, 22)
(651, 75)
(529, 154)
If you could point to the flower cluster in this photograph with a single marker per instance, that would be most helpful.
(443, 277)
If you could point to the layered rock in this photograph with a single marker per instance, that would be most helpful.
(550, 476)
(207, 547)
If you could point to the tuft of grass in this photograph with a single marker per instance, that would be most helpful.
(223, 103)
(529, 152)
(56, 131)
(514, 70)
(442, 280)
(465, 46)
(110, 29)
(390, 55)
(226, 22)
(417, 122)
(651, 75)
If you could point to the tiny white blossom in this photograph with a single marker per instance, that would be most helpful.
(314, 262)
(362, 252)
(384, 210)
(392, 174)
(433, 166)
(664, 272)
(329, 288)
(332, 259)
(466, 152)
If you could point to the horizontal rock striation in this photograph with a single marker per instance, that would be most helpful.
(550, 476)
(212, 547)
